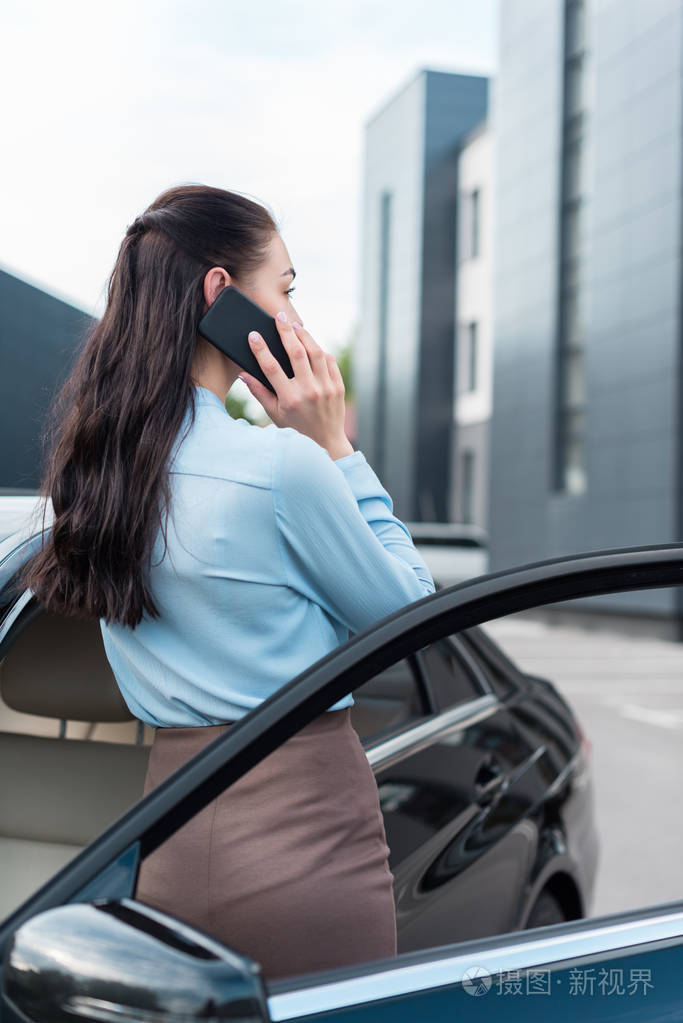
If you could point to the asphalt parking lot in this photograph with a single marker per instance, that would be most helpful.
(628, 694)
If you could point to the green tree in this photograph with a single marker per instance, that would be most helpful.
(237, 408)
(344, 361)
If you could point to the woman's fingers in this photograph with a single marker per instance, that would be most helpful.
(267, 361)
(325, 365)
(318, 358)
(312, 401)
(273, 372)
(298, 356)
(334, 371)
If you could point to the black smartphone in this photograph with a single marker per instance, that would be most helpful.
(227, 323)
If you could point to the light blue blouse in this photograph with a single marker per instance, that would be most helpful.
(276, 554)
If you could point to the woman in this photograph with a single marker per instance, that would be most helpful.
(222, 559)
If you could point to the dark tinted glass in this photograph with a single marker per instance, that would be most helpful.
(450, 679)
(492, 661)
(387, 701)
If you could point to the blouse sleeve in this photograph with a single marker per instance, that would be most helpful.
(341, 545)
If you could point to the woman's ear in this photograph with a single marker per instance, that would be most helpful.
(214, 281)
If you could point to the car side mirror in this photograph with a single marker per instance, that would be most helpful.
(113, 961)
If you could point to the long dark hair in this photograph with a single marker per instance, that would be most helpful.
(115, 418)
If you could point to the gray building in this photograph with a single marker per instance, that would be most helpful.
(586, 436)
(38, 337)
(404, 350)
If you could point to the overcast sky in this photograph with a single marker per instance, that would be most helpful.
(106, 105)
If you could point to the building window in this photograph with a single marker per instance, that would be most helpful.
(381, 404)
(573, 224)
(575, 472)
(575, 184)
(573, 317)
(470, 225)
(575, 27)
(467, 486)
(575, 86)
(472, 356)
(570, 474)
(467, 360)
(475, 204)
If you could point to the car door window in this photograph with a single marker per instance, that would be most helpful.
(501, 673)
(390, 699)
(452, 676)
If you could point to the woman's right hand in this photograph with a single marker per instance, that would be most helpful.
(312, 401)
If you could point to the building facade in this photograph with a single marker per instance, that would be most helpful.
(585, 444)
(404, 350)
(38, 337)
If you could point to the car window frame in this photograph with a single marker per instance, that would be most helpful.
(643, 929)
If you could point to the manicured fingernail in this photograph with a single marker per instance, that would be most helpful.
(297, 324)
(282, 317)
(255, 339)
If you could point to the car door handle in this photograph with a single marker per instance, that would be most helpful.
(489, 778)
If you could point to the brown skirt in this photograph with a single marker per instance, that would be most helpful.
(289, 865)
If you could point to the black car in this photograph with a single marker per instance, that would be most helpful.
(484, 780)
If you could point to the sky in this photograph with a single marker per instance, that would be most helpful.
(106, 105)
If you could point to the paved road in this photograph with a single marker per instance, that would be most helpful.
(628, 695)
